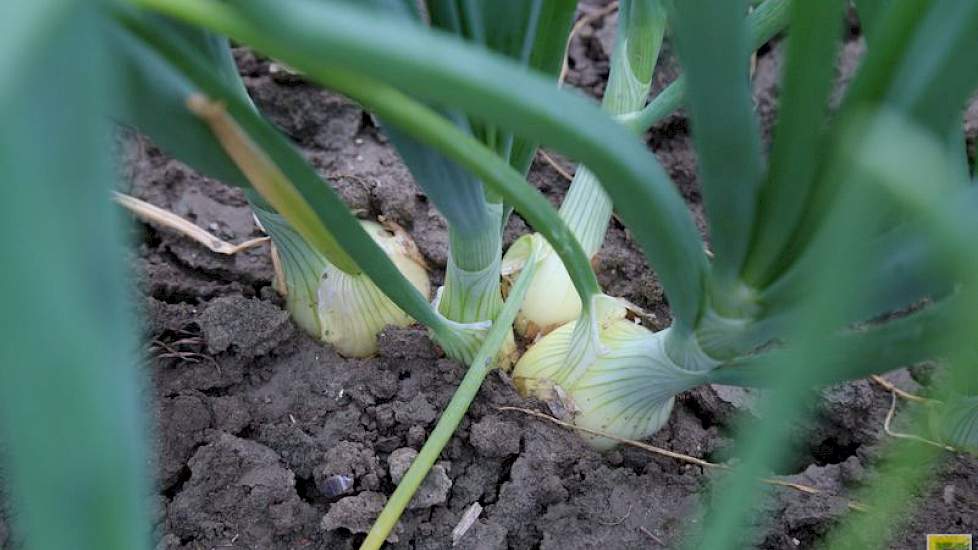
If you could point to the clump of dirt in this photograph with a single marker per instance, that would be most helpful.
(265, 438)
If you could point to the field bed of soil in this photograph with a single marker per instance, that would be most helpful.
(254, 420)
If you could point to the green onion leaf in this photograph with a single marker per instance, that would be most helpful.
(712, 42)
(812, 49)
(72, 399)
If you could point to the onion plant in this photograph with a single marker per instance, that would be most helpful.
(732, 316)
(466, 91)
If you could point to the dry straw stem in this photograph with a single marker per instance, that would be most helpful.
(897, 392)
(889, 419)
(553, 164)
(171, 221)
(465, 523)
(853, 505)
(889, 386)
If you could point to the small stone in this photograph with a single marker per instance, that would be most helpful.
(335, 485)
(343, 465)
(433, 491)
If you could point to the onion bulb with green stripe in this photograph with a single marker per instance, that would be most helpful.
(606, 373)
(346, 310)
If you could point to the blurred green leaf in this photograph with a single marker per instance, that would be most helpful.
(904, 268)
(880, 154)
(27, 29)
(867, 90)
(853, 354)
(808, 357)
(939, 72)
(71, 400)
(896, 28)
(889, 154)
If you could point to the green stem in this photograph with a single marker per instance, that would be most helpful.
(664, 104)
(452, 416)
(471, 292)
(587, 210)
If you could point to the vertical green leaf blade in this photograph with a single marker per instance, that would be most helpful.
(891, 39)
(27, 26)
(768, 19)
(812, 47)
(547, 49)
(70, 391)
(712, 41)
(952, 224)
(531, 32)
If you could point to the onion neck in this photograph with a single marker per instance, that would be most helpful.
(472, 278)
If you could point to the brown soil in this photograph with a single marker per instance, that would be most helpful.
(266, 439)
